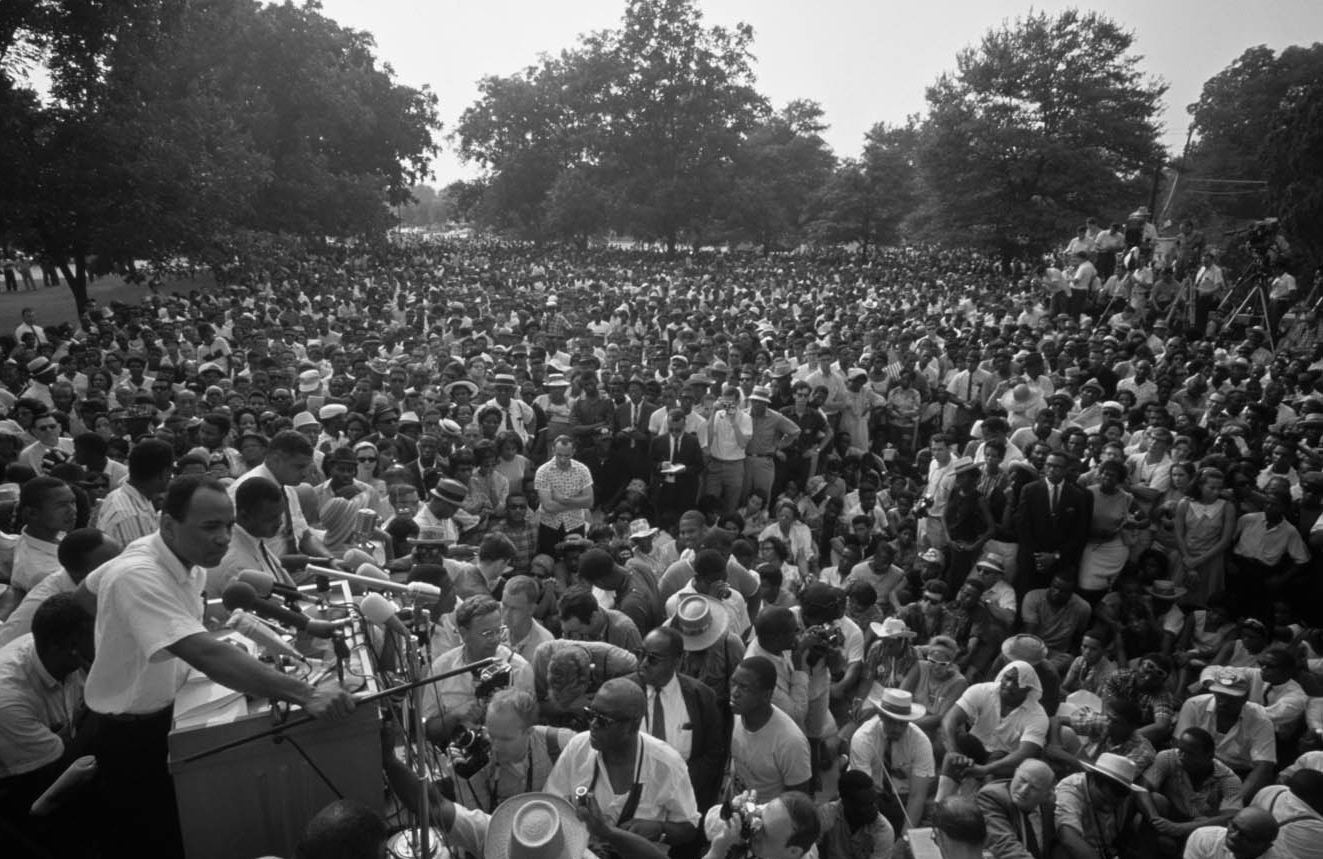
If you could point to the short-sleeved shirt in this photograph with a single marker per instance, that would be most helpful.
(667, 794)
(1099, 825)
(455, 694)
(34, 707)
(293, 525)
(565, 481)
(146, 602)
(911, 756)
(20, 621)
(1026, 723)
(1249, 741)
(1219, 792)
(126, 514)
(1304, 833)
(769, 759)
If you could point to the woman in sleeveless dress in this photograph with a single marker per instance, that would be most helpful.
(1205, 524)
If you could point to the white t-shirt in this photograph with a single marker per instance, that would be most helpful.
(1026, 723)
(770, 759)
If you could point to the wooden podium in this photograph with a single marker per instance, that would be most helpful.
(255, 800)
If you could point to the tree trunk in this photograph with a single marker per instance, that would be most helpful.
(670, 243)
(77, 280)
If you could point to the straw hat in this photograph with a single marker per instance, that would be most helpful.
(535, 826)
(1118, 768)
(896, 704)
(701, 620)
(892, 627)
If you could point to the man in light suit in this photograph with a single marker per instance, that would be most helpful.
(1019, 813)
(689, 719)
(676, 491)
(1053, 520)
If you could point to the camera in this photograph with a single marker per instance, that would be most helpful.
(751, 821)
(492, 679)
(470, 750)
(831, 636)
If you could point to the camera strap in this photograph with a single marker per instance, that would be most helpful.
(631, 805)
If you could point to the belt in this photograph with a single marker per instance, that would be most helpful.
(716, 459)
(761, 455)
(135, 717)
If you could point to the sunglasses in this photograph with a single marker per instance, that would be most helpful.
(602, 720)
(367, 459)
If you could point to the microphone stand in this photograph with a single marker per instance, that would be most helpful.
(417, 842)
(366, 699)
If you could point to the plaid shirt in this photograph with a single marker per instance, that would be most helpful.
(524, 538)
(1153, 705)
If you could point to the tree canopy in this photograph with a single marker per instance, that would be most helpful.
(170, 126)
(1047, 121)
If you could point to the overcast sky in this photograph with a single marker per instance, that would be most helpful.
(865, 61)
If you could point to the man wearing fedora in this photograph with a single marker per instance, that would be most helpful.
(896, 753)
(1096, 810)
(639, 781)
(773, 436)
(711, 651)
(682, 712)
(442, 510)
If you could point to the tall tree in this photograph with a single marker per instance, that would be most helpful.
(677, 115)
(1047, 121)
(868, 200)
(1294, 155)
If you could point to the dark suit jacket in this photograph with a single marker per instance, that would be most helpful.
(707, 753)
(1004, 823)
(1040, 530)
(684, 490)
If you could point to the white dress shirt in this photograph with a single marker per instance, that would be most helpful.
(679, 729)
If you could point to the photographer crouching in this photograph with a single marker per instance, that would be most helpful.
(785, 828)
(834, 657)
(511, 754)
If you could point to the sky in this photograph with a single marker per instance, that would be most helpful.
(864, 61)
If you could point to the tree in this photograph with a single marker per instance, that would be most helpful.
(655, 110)
(867, 200)
(1230, 153)
(172, 125)
(1046, 122)
(1293, 152)
(576, 206)
(777, 170)
(677, 114)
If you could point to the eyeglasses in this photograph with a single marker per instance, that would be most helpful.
(649, 658)
(940, 663)
(599, 719)
(491, 634)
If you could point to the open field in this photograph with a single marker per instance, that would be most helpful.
(56, 305)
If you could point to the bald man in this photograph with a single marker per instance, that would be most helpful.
(1018, 812)
(639, 782)
(1249, 835)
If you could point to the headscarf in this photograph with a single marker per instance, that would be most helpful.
(1027, 678)
(365, 471)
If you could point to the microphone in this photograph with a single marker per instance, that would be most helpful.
(355, 558)
(371, 571)
(380, 611)
(261, 634)
(266, 585)
(242, 595)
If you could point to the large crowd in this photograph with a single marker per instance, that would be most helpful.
(804, 554)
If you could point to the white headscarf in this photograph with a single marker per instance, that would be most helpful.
(1027, 678)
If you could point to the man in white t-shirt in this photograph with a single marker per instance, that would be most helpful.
(769, 753)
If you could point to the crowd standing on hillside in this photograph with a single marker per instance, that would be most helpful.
(1027, 554)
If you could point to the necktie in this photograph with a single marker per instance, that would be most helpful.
(1056, 494)
(673, 441)
(1030, 839)
(658, 715)
(509, 420)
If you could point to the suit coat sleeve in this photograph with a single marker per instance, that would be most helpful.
(1072, 546)
(707, 757)
(1003, 842)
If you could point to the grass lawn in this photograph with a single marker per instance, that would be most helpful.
(56, 305)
